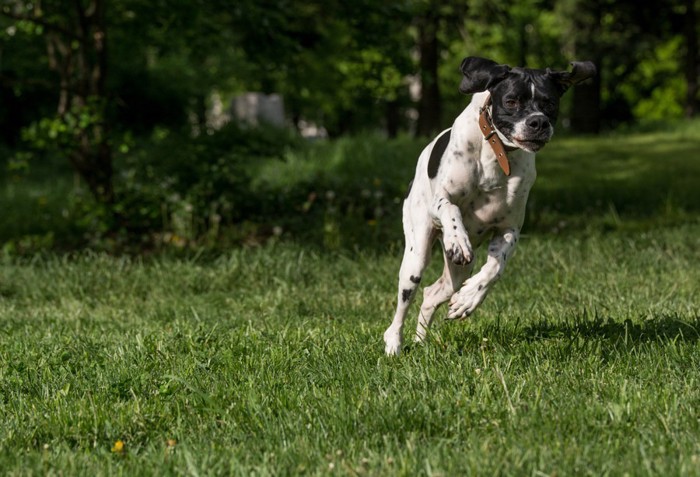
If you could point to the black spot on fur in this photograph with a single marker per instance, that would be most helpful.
(406, 294)
(459, 154)
(437, 152)
(415, 280)
(480, 287)
(471, 147)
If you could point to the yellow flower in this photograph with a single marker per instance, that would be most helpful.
(170, 446)
(118, 447)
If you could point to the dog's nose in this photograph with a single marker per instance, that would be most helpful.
(538, 122)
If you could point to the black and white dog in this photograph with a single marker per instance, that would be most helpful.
(472, 184)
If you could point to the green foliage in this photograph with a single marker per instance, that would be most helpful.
(185, 189)
(63, 132)
(38, 204)
(662, 91)
(252, 186)
(341, 63)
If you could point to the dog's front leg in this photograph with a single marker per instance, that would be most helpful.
(448, 217)
(474, 290)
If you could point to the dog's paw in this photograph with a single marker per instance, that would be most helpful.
(392, 341)
(465, 301)
(458, 249)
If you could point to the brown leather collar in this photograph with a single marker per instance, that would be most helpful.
(490, 135)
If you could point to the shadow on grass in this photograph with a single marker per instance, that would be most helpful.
(580, 332)
(658, 329)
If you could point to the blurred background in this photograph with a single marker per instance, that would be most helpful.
(183, 124)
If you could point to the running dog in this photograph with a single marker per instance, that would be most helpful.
(471, 186)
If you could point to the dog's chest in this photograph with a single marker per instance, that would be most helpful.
(494, 200)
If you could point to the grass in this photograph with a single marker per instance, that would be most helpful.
(585, 359)
(631, 181)
(36, 206)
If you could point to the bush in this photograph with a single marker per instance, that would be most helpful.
(182, 190)
(250, 185)
(341, 193)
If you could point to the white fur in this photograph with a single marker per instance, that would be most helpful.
(469, 200)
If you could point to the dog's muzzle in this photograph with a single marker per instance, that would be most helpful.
(533, 133)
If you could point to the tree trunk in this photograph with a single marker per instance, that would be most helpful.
(585, 113)
(78, 53)
(522, 44)
(691, 59)
(94, 164)
(429, 107)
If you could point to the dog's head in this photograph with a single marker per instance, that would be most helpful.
(525, 101)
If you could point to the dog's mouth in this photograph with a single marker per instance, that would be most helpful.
(530, 144)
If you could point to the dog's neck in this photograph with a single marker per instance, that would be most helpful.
(491, 136)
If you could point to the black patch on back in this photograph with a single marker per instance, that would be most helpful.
(437, 152)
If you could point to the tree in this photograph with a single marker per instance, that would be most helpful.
(582, 41)
(692, 59)
(429, 103)
(76, 49)
(437, 25)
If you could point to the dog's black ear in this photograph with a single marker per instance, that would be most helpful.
(580, 71)
(481, 74)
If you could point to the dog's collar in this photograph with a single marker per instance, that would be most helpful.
(490, 135)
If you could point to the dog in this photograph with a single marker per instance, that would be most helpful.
(471, 185)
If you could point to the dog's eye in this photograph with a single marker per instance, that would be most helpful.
(510, 103)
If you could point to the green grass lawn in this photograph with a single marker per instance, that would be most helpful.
(584, 360)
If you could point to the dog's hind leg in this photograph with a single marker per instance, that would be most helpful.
(440, 292)
(419, 238)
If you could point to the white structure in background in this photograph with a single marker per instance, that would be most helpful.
(254, 109)
(259, 108)
(217, 116)
(309, 130)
